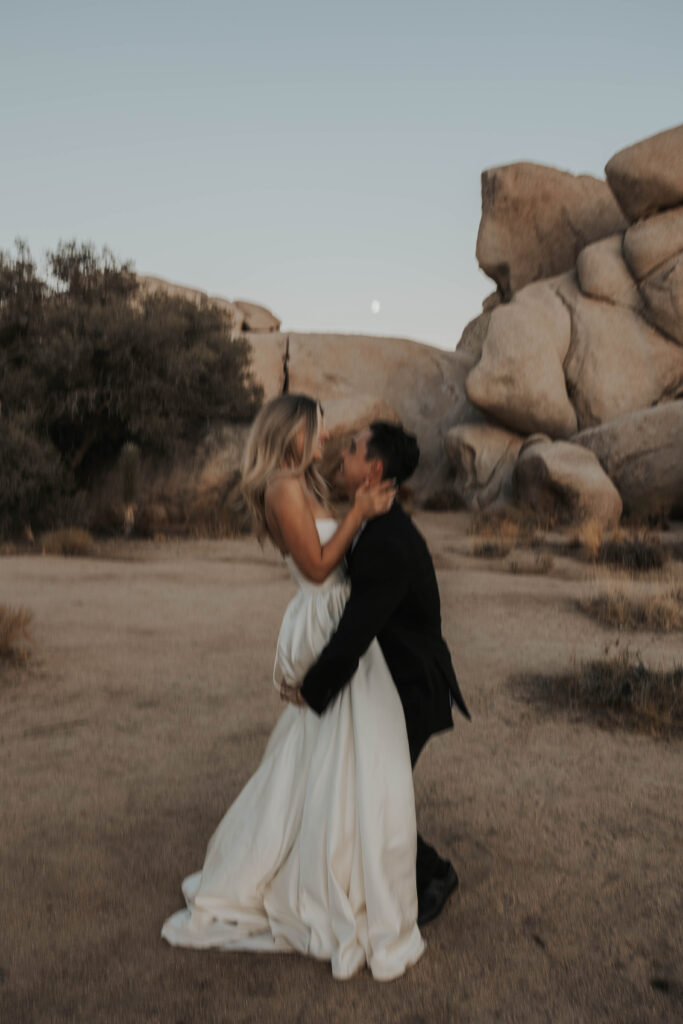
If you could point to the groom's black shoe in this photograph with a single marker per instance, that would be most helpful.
(432, 899)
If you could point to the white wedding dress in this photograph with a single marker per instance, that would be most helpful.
(317, 853)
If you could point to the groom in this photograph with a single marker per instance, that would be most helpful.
(394, 597)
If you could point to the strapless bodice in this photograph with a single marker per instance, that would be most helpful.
(326, 530)
(311, 616)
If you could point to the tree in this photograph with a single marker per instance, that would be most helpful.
(89, 363)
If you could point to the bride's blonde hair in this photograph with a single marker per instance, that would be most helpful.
(271, 452)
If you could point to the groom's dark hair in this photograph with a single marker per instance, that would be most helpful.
(398, 450)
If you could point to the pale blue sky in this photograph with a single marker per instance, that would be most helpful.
(315, 156)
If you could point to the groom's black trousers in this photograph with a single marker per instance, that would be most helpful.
(429, 863)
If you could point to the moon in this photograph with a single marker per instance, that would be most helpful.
(375, 306)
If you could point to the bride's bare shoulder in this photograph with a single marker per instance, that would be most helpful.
(284, 492)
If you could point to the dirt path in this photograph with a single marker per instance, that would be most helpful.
(147, 704)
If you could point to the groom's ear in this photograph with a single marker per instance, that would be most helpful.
(375, 470)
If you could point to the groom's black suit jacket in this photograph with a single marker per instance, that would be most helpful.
(394, 597)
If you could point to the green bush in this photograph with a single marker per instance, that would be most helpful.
(89, 364)
(129, 465)
(35, 486)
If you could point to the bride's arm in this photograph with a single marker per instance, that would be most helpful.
(286, 505)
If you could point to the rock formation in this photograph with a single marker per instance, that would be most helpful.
(565, 482)
(648, 176)
(642, 453)
(359, 378)
(535, 220)
(483, 457)
(591, 356)
(649, 243)
(257, 318)
(244, 316)
(617, 362)
(519, 378)
(566, 390)
(662, 292)
(603, 274)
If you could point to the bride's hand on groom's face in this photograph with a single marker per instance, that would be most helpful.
(375, 499)
(292, 695)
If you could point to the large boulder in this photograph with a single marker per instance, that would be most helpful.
(257, 318)
(662, 291)
(651, 242)
(345, 416)
(424, 387)
(535, 220)
(519, 379)
(149, 284)
(483, 457)
(565, 482)
(472, 339)
(642, 453)
(244, 316)
(603, 274)
(617, 363)
(648, 176)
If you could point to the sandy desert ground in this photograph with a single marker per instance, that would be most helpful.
(146, 704)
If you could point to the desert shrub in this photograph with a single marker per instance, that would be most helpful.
(541, 564)
(624, 606)
(14, 632)
(151, 520)
(588, 536)
(619, 690)
(513, 524)
(501, 525)
(544, 563)
(535, 520)
(88, 364)
(129, 468)
(35, 485)
(491, 549)
(129, 465)
(638, 552)
(67, 541)
(633, 550)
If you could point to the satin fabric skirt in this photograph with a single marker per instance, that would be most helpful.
(317, 853)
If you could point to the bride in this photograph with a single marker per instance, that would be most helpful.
(317, 853)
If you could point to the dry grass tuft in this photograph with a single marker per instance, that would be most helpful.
(616, 691)
(540, 565)
(589, 536)
(544, 563)
(503, 525)
(14, 632)
(492, 549)
(622, 605)
(636, 552)
(514, 524)
(497, 532)
(69, 541)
